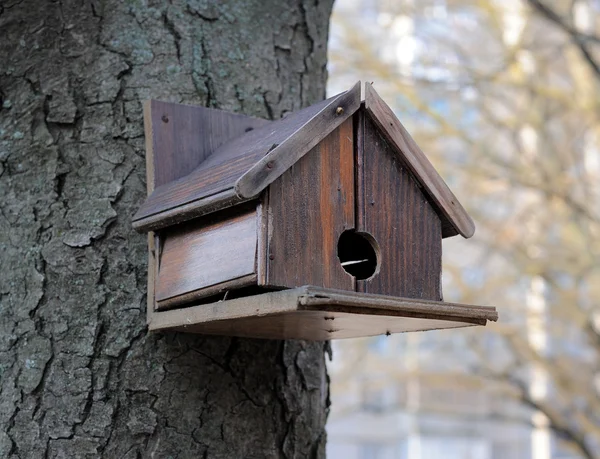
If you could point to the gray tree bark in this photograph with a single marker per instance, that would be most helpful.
(79, 375)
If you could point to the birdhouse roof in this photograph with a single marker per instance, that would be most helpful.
(240, 169)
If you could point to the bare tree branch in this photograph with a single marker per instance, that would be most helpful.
(579, 39)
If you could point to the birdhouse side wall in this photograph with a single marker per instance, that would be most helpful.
(310, 206)
(207, 255)
(393, 209)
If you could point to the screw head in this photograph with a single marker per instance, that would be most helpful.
(270, 165)
(339, 111)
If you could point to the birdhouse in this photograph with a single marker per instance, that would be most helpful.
(325, 224)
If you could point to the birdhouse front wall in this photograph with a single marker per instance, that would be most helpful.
(353, 182)
(310, 206)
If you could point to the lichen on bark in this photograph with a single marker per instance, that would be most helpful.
(79, 375)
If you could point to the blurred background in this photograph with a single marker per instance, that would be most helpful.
(504, 99)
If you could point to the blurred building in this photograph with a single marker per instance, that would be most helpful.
(398, 405)
(411, 396)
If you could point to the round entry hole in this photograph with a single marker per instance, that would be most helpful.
(358, 254)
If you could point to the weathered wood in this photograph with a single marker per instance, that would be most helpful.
(239, 169)
(319, 314)
(316, 325)
(150, 185)
(152, 268)
(262, 235)
(181, 136)
(449, 207)
(321, 172)
(149, 143)
(385, 303)
(291, 149)
(395, 212)
(225, 287)
(189, 211)
(178, 139)
(195, 257)
(310, 205)
(359, 146)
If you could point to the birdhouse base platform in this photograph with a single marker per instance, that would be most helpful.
(314, 313)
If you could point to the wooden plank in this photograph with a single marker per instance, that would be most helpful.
(204, 206)
(297, 144)
(419, 165)
(188, 197)
(183, 136)
(262, 236)
(179, 138)
(319, 314)
(149, 142)
(152, 267)
(195, 257)
(152, 262)
(310, 206)
(359, 146)
(318, 326)
(239, 168)
(396, 213)
(315, 296)
(204, 292)
(239, 308)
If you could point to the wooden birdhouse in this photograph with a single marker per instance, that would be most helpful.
(325, 224)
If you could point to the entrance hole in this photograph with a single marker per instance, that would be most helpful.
(357, 253)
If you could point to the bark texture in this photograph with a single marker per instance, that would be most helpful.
(79, 376)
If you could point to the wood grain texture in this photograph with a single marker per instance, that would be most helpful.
(359, 171)
(188, 298)
(458, 221)
(181, 214)
(149, 143)
(320, 314)
(310, 205)
(152, 268)
(152, 263)
(178, 139)
(195, 257)
(293, 147)
(262, 235)
(183, 136)
(396, 213)
(382, 304)
(240, 167)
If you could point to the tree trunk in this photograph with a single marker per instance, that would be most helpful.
(79, 375)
